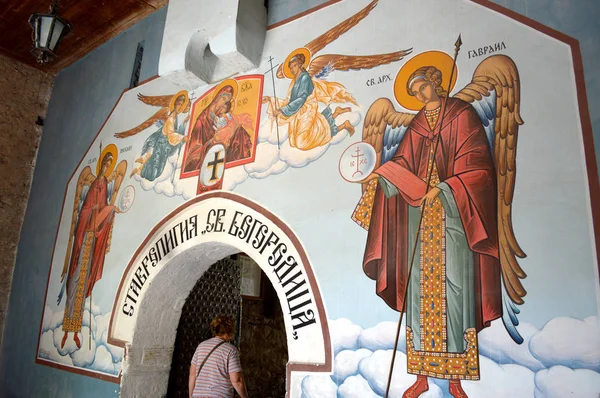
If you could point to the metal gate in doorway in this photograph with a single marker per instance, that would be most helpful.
(217, 292)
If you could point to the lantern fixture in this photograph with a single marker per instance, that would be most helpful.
(48, 31)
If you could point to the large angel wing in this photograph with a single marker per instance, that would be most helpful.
(494, 92)
(323, 65)
(332, 34)
(383, 128)
(160, 116)
(156, 100)
(115, 179)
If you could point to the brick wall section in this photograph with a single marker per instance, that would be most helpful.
(24, 95)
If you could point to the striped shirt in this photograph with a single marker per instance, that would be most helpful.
(213, 380)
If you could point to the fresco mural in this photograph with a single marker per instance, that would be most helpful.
(308, 127)
(226, 115)
(438, 176)
(224, 131)
(92, 223)
(421, 205)
(166, 140)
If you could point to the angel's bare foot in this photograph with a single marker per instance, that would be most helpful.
(338, 111)
(135, 171)
(144, 158)
(347, 126)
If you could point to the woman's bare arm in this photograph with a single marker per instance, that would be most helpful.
(192, 380)
(237, 379)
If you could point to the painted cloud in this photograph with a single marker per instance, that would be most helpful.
(95, 353)
(560, 360)
(270, 160)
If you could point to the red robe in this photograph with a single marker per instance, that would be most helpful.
(464, 162)
(202, 132)
(96, 215)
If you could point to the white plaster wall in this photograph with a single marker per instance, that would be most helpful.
(148, 357)
(206, 40)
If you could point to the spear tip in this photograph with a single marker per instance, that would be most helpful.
(458, 41)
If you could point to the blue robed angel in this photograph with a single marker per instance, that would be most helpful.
(167, 139)
(308, 112)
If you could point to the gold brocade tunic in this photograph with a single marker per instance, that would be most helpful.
(432, 358)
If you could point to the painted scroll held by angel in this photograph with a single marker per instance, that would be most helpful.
(169, 136)
(90, 235)
(309, 91)
(465, 271)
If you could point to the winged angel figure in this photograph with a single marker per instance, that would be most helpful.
(465, 268)
(90, 236)
(308, 127)
(169, 136)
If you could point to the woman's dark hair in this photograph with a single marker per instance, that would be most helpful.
(222, 325)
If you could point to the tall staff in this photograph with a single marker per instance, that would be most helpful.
(457, 46)
(275, 98)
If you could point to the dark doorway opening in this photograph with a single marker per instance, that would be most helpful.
(237, 287)
(263, 342)
(217, 292)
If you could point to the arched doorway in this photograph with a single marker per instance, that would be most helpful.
(174, 256)
(217, 292)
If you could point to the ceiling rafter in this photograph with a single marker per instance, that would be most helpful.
(94, 23)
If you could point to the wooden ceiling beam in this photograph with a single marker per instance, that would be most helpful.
(94, 23)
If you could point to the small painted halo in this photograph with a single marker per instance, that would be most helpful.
(186, 101)
(357, 162)
(286, 68)
(112, 149)
(439, 59)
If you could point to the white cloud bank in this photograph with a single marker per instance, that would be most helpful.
(560, 360)
(269, 160)
(95, 353)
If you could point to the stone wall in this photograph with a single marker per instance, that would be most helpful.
(24, 95)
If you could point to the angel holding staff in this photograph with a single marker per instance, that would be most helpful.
(307, 111)
(445, 252)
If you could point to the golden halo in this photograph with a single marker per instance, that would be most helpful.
(112, 148)
(286, 68)
(185, 102)
(439, 59)
(229, 82)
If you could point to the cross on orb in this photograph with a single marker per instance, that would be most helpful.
(357, 156)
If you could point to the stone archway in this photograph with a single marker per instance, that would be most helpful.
(172, 258)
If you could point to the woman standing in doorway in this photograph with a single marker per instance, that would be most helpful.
(215, 369)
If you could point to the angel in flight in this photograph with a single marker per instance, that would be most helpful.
(90, 236)
(169, 136)
(308, 127)
(456, 234)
